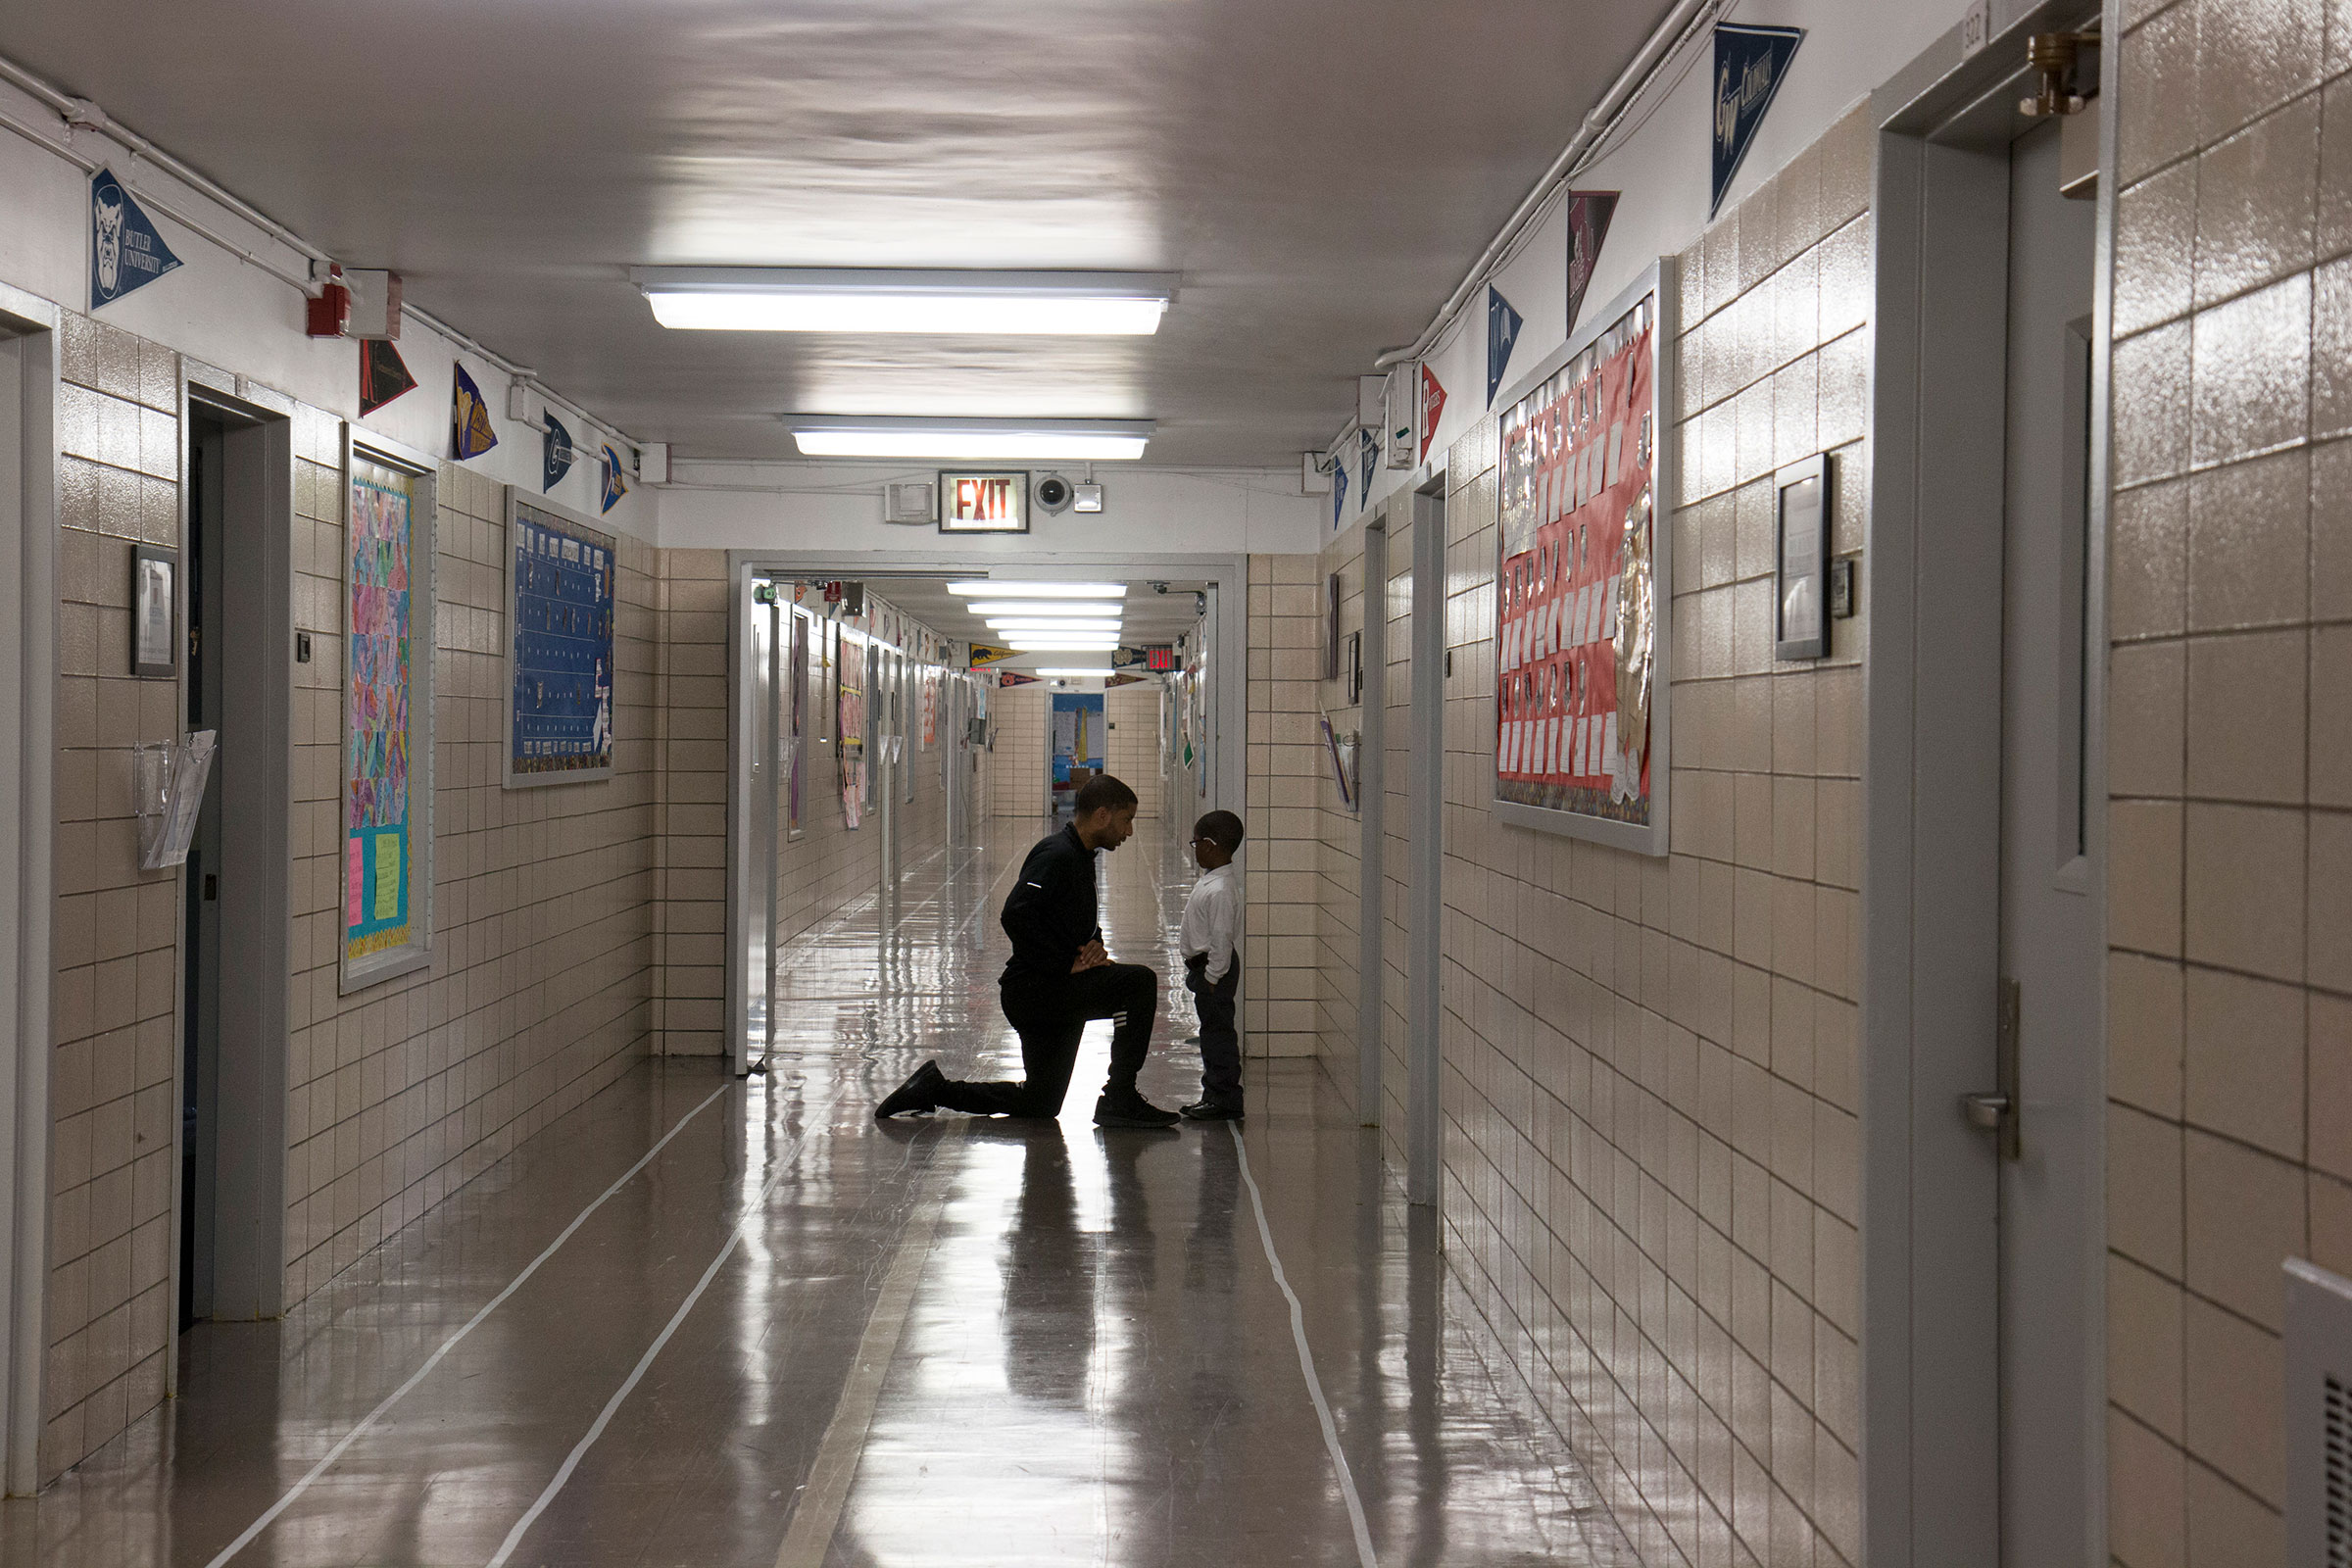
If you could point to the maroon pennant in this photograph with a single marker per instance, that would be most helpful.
(383, 374)
(1588, 215)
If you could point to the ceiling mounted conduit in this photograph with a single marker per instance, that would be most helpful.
(1666, 41)
(81, 114)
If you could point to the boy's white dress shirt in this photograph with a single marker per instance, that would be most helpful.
(1212, 920)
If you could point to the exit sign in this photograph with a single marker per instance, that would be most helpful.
(983, 502)
(1160, 660)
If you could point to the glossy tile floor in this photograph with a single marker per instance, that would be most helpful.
(704, 1321)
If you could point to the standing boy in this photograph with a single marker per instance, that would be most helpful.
(1059, 977)
(1212, 938)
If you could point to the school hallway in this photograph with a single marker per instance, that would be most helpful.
(702, 1320)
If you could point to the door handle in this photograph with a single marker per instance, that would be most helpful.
(1997, 1110)
(1984, 1110)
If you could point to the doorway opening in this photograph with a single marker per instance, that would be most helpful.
(237, 679)
(1074, 749)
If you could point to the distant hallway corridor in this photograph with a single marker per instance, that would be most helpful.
(710, 1321)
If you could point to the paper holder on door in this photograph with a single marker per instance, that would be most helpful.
(168, 781)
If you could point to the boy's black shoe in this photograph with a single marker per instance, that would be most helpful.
(921, 1092)
(1132, 1110)
(1210, 1110)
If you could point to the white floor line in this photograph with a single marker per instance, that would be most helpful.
(419, 1376)
(818, 1516)
(750, 1211)
(1306, 1363)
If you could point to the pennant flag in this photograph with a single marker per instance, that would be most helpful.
(1124, 657)
(1014, 677)
(1369, 451)
(1122, 680)
(555, 453)
(1749, 63)
(1433, 407)
(1338, 490)
(469, 432)
(125, 251)
(383, 374)
(616, 483)
(1502, 334)
(1588, 215)
(983, 655)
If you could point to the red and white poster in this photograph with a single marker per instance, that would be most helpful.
(1582, 590)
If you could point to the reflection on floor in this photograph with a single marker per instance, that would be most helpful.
(704, 1321)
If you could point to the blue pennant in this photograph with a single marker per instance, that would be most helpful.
(556, 452)
(125, 251)
(1370, 444)
(1502, 334)
(1749, 64)
(1339, 491)
(616, 484)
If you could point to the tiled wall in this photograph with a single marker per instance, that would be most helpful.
(540, 989)
(1132, 743)
(1279, 880)
(2230, 753)
(688, 727)
(542, 983)
(1339, 856)
(1650, 1084)
(1016, 765)
(116, 998)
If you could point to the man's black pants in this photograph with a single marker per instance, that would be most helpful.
(1220, 1041)
(1050, 1019)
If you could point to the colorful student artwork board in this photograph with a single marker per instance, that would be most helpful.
(387, 705)
(849, 724)
(1582, 586)
(559, 607)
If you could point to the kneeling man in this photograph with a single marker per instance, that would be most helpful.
(1060, 978)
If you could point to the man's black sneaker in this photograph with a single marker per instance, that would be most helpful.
(1134, 1111)
(921, 1092)
(1210, 1110)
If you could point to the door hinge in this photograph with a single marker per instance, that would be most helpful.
(2001, 1111)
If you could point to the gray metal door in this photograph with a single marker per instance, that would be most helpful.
(2049, 1009)
(760, 650)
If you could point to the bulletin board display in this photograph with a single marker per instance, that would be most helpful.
(387, 791)
(560, 613)
(1582, 582)
(849, 722)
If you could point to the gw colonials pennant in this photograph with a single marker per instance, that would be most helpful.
(1749, 64)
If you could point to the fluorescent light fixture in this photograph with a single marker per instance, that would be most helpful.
(1075, 674)
(1051, 608)
(1042, 644)
(861, 300)
(1000, 588)
(1103, 628)
(959, 440)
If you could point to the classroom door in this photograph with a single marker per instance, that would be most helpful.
(2049, 1043)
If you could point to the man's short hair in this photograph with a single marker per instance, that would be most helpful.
(1222, 828)
(1100, 793)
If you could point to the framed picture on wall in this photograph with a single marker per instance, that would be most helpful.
(1800, 597)
(1583, 579)
(385, 878)
(560, 608)
(154, 610)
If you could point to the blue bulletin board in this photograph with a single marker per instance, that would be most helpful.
(559, 576)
